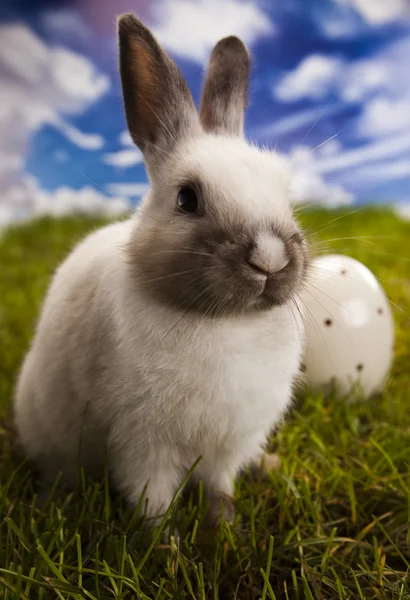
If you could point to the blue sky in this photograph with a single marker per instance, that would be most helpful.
(330, 89)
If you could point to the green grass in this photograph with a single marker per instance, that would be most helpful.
(332, 523)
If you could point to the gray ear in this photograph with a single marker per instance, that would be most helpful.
(158, 105)
(225, 91)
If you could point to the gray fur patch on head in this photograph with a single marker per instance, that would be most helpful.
(200, 263)
(224, 97)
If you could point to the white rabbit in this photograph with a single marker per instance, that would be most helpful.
(174, 334)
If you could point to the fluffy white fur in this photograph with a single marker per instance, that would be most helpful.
(112, 372)
(109, 372)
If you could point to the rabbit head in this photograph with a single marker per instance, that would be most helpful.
(215, 234)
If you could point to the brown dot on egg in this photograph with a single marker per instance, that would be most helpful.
(303, 368)
(328, 322)
(380, 311)
(360, 367)
(343, 272)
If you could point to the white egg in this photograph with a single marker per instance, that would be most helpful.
(349, 327)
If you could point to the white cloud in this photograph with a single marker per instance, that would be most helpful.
(127, 157)
(382, 87)
(125, 139)
(76, 79)
(124, 158)
(87, 200)
(363, 78)
(315, 174)
(385, 171)
(288, 124)
(189, 28)
(383, 116)
(314, 77)
(54, 78)
(27, 200)
(350, 18)
(10, 163)
(386, 111)
(309, 185)
(87, 141)
(319, 75)
(378, 12)
(127, 190)
(39, 85)
(329, 148)
(387, 148)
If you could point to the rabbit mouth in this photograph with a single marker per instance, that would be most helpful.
(281, 287)
(245, 290)
(224, 291)
(275, 292)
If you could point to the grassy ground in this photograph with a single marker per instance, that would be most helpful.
(333, 523)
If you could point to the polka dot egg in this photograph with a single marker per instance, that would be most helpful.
(349, 327)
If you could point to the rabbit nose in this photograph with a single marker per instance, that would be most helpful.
(268, 255)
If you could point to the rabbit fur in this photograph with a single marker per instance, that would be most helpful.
(127, 363)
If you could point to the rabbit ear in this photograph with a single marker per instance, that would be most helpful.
(224, 96)
(158, 105)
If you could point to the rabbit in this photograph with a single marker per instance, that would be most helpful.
(176, 333)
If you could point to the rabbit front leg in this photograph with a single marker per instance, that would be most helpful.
(222, 505)
(157, 492)
(147, 479)
(219, 487)
(220, 468)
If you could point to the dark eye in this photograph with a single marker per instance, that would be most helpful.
(187, 199)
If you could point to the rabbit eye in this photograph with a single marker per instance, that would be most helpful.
(187, 199)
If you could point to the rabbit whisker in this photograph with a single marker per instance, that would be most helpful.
(203, 317)
(332, 137)
(321, 114)
(310, 284)
(213, 267)
(182, 252)
(181, 319)
(354, 237)
(370, 243)
(311, 319)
